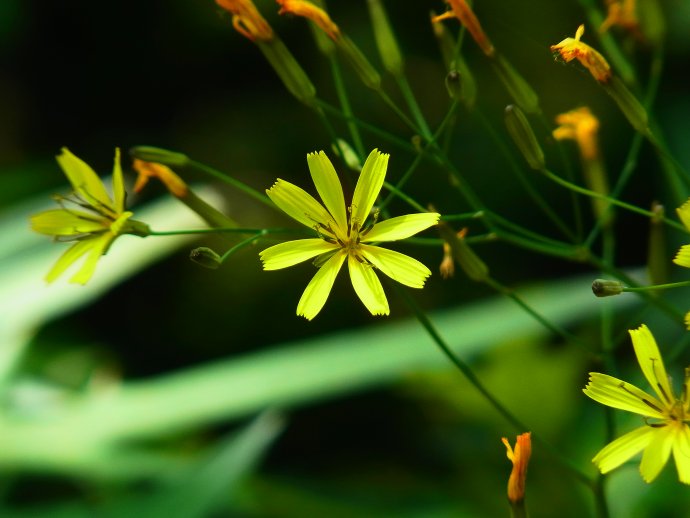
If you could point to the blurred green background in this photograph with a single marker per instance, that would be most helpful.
(369, 418)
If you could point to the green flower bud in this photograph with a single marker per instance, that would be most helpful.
(159, 155)
(629, 105)
(290, 72)
(521, 92)
(385, 39)
(366, 72)
(204, 256)
(524, 138)
(606, 288)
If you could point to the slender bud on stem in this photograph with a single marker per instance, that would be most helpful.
(519, 89)
(159, 155)
(524, 138)
(606, 288)
(471, 264)
(389, 51)
(657, 261)
(204, 256)
(289, 71)
(629, 105)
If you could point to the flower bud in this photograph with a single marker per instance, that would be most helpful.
(159, 155)
(204, 256)
(471, 264)
(629, 105)
(524, 138)
(657, 261)
(290, 72)
(521, 92)
(385, 39)
(606, 288)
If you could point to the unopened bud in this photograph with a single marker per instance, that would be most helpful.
(364, 69)
(629, 105)
(657, 260)
(454, 85)
(204, 256)
(159, 155)
(344, 150)
(524, 138)
(290, 72)
(521, 92)
(385, 39)
(606, 288)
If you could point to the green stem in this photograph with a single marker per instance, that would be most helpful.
(469, 374)
(613, 201)
(658, 286)
(413, 106)
(249, 191)
(239, 246)
(235, 230)
(344, 100)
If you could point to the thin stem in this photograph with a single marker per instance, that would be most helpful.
(233, 230)
(658, 286)
(411, 101)
(341, 91)
(239, 246)
(479, 386)
(249, 191)
(614, 201)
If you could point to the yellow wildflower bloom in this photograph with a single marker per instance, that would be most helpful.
(343, 234)
(247, 20)
(581, 126)
(93, 229)
(666, 417)
(520, 459)
(573, 48)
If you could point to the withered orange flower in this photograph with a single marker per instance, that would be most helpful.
(311, 12)
(463, 12)
(247, 20)
(573, 48)
(520, 459)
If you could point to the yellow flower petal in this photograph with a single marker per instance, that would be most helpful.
(300, 205)
(617, 452)
(397, 266)
(401, 227)
(318, 289)
(368, 186)
(328, 186)
(60, 222)
(652, 365)
(85, 181)
(657, 452)
(615, 393)
(118, 183)
(682, 258)
(681, 453)
(99, 247)
(71, 255)
(293, 252)
(368, 287)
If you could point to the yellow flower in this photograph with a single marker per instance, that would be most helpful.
(96, 226)
(622, 13)
(247, 20)
(666, 417)
(343, 234)
(520, 459)
(581, 126)
(573, 48)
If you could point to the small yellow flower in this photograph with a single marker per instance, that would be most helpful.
(343, 233)
(247, 20)
(624, 14)
(520, 459)
(573, 48)
(581, 126)
(311, 12)
(666, 417)
(96, 226)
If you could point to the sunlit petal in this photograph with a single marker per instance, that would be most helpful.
(299, 204)
(401, 227)
(293, 252)
(656, 453)
(397, 266)
(99, 246)
(318, 289)
(84, 180)
(60, 222)
(681, 453)
(617, 452)
(71, 255)
(650, 361)
(615, 393)
(328, 186)
(368, 287)
(682, 258)
(369, 185)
